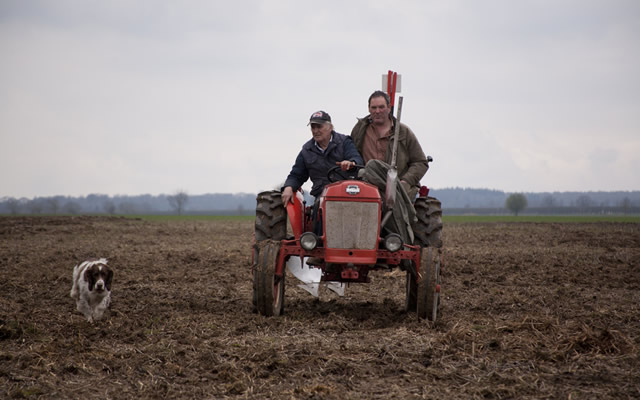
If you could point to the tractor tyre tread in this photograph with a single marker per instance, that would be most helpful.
(271, 217)
(268, 288)
(428, 227)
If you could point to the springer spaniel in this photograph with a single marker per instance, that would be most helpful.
(92, 288)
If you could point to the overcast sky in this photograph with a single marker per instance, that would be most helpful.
(148, 97)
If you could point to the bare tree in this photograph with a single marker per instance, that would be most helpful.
(625, 204)
(109, 207)
(71, 207)
(548, 201)
(35, 206)
(127, 207)
(516, 202)
(53, 204)
(13, 205)
(178, 201)
(583, 202)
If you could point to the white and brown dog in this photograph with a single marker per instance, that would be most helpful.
(92, 288)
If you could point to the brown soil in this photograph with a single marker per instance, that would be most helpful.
(528, 311)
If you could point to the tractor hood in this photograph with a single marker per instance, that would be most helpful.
(351, 191)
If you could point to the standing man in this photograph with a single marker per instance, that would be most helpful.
(325, 150)
(373, 136)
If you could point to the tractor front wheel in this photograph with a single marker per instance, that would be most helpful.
(268, 288)
(428, 284)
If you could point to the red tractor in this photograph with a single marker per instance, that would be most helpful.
(353, 242)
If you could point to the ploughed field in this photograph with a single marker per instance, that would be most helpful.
(528, 311)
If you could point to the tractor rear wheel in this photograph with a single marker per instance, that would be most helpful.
(412, 292)
(428, 290)
(271, 216)
(428, 229)
(268, 288)
(254, 298)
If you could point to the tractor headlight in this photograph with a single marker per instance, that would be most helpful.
(393, 242)
(309, 241)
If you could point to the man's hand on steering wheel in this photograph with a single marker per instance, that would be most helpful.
(346, 165)
(339, 172)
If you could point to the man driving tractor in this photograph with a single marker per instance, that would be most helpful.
(326, 149)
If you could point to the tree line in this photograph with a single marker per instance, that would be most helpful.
(454, 201)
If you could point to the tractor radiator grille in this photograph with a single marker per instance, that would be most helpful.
(351, 225)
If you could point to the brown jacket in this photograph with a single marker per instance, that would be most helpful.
(411, 161)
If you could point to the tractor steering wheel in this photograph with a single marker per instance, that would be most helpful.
(336, 174)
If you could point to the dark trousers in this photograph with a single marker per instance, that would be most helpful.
(317, 222)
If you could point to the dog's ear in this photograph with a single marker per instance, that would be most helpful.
(89, 277)
(109, 279)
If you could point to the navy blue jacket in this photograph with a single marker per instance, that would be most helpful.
(314, 164)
